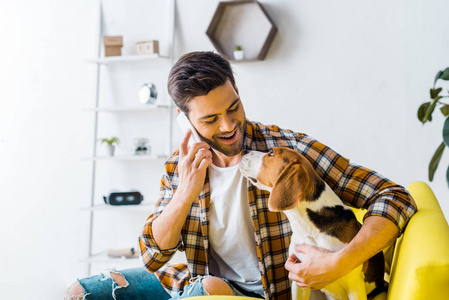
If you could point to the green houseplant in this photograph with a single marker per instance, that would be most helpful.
(425, 112)
(112, 142)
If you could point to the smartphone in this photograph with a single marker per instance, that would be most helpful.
(185, 125)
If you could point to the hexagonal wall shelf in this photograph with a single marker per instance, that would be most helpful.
(243, 23)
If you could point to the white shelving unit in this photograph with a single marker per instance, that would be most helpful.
(102, 64)
(126, 208)
(126, 59)
(127, 157)
(102, 257)
(119, 109)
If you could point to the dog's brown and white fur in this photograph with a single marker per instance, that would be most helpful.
(317, 216)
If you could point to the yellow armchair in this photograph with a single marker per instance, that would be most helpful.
(420, 264)
(420, 261)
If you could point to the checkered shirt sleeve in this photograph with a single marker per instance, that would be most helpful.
(365, 188)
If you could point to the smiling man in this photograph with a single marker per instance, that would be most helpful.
(234, 245)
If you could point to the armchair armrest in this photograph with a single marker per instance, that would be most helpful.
(420, 266)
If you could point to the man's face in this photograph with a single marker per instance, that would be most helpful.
(219, 118)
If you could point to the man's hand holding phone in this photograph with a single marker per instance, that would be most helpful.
(194, 158)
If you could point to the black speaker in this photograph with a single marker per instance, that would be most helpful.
(123, 198)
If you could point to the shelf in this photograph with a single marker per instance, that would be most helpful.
(121, 208)
(102, 257)
(244, 23)
(146, 107)
(127, 157)
(125, 59)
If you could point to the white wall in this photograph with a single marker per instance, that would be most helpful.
(351, 74)
(43, 135)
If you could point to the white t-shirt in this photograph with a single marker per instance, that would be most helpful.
(231, 233)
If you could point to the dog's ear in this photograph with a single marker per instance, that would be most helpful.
(291, 187)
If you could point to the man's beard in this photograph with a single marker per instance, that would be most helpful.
(228, 150)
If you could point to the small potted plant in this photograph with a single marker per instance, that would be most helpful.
(239, 54)
(112, 142)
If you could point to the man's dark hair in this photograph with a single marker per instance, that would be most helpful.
(196, 74)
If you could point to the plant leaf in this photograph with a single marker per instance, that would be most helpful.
(422, 112)
(442, 75)
(434, 92)
(446, 132)
(445, 110)
(445, 75)
(435, 161)
(430, 109)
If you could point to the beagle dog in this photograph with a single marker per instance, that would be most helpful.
(316, 215)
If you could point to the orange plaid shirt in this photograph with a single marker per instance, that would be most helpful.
(355, 185)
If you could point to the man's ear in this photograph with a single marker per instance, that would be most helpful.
(291, 187)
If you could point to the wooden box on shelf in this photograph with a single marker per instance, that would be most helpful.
(147, 47)
(113, 45)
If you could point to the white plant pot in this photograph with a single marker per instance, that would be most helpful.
(111, 150)
(239, 54)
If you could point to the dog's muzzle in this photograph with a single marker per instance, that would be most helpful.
(250, 165)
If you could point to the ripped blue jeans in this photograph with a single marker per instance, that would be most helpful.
(141, 285)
